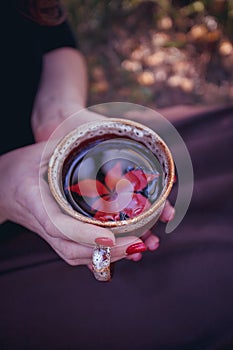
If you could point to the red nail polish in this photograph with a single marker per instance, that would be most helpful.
(104, 241)
(136, 248)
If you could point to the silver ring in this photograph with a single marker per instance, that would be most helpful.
(101, 260)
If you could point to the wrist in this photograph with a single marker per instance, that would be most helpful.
(50, 113)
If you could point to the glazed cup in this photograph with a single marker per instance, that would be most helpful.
(137, 225)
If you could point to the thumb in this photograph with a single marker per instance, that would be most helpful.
(83, 233)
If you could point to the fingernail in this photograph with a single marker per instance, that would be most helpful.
(136, 248)
(104, 241)
(171, 215)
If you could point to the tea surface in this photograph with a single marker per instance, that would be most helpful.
(112, 178)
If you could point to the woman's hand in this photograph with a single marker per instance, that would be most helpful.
(20, 202)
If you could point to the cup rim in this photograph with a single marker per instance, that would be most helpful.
(68, 209)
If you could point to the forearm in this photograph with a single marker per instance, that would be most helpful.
(64, 75)
(62, 90)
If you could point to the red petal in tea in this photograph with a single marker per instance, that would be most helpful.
(137, 178)
(138, 204)
(89, 188)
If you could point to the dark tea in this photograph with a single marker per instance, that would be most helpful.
(111, 178)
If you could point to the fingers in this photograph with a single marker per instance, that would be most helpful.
(151, 241)
(167, 213)
(75, 244)
(127, 246)
(77, 254)
(65, 232)
(134, 257)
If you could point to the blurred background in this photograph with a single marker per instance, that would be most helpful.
(157, 53)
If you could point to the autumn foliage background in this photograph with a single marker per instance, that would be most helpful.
(156, 53)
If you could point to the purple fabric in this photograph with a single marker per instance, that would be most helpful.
(179, 297)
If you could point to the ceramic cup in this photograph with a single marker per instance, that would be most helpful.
(121, 130)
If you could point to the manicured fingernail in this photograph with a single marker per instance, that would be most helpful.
(136, 248)
(104, 241)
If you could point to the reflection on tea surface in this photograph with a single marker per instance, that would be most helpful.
(112, 178)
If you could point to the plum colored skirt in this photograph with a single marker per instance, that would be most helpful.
(179, 297)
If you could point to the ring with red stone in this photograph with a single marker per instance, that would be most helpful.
(101, 260)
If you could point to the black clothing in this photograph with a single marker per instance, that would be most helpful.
(22, 60)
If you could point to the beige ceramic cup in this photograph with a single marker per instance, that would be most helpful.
(134, 226)
(120, 128)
